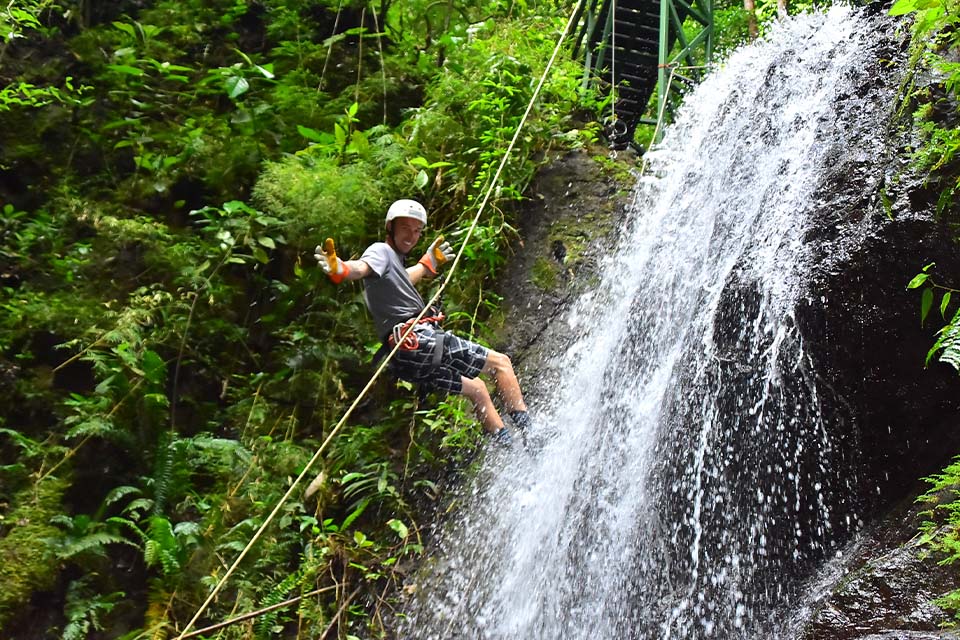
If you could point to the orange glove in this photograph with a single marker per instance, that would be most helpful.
(333, 266)
(438, 254)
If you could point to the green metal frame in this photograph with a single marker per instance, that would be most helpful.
(695, 54)
(671, 28)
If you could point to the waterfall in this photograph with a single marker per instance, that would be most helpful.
(689, 474)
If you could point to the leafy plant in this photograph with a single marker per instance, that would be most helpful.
(190, 351)
(940, 531)
(85, 608)
(936, 35)
(947, 346)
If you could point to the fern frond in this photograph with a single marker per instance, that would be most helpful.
(85, 608)
(948, 343)
(218, 452)
(91, 426)
(95, 543)
(156, 624)
(29, 448)
(162, 546)
(129, 525)
(138, 507)
(276, 595)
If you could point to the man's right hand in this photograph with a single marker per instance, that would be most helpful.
(333, 266)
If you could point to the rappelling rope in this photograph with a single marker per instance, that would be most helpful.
(326, 61)
(396, 347)
(660, 116)
(663, 107)
(613, 61)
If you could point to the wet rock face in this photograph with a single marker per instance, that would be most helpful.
(875, 229)
(871, 348)
(872, 230)
(887, 588)
(569, 221)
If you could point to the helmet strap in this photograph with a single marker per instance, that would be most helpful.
(390, 236)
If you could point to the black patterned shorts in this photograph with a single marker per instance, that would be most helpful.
(460, 358)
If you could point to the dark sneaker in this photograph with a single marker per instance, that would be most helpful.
(521, 420)
(503, 438)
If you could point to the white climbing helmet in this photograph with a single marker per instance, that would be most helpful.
(406, 209)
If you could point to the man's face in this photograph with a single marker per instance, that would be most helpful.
(406, 233)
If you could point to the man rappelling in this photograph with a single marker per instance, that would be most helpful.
(427, 356)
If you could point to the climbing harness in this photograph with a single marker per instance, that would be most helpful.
(492, 185)
(402, 335)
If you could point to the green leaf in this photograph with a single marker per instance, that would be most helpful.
(918, 280)
(356, 514)
(422, 179)
(237, 86)
(127, 69)
(126, 28)
(399, 527)
(154, 367)
(903, 7)
(313, 135)
(237, 206)
(944, 303)
(926, 301)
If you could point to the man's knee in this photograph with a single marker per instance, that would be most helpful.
(498, 362)
(474, 389)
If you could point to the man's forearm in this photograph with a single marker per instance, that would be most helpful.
(417, 272)
(357, 269)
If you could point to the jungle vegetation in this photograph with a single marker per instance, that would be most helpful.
(935, 111)
(171, 358)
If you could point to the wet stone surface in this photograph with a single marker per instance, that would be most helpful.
(571, 217)
(885, 584)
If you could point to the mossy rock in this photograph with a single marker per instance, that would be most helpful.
(26, 566)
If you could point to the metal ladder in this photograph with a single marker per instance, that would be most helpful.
(646, 44)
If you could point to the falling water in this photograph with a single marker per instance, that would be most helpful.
(689, 475)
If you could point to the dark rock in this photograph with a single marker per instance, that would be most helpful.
(887, 587)
(574, 205)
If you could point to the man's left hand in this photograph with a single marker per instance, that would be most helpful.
(439, 253)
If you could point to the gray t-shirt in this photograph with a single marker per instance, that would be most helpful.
(390, 296)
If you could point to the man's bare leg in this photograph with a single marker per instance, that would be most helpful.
(499, 366)
(477, 392)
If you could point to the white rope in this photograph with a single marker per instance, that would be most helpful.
(383, 364)
(326, 61)
(613, 61)
(383, 69)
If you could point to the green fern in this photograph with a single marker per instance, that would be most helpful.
(944, 498)
(948, 343)
(267, 623)
(164, 472)
(162, 547)
(376, 482)
(85, 609)
(83, 535)
(91, 543)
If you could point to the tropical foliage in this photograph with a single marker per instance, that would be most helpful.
(172, 359)
(936, 45)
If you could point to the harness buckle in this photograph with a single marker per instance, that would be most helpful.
(411, 342)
